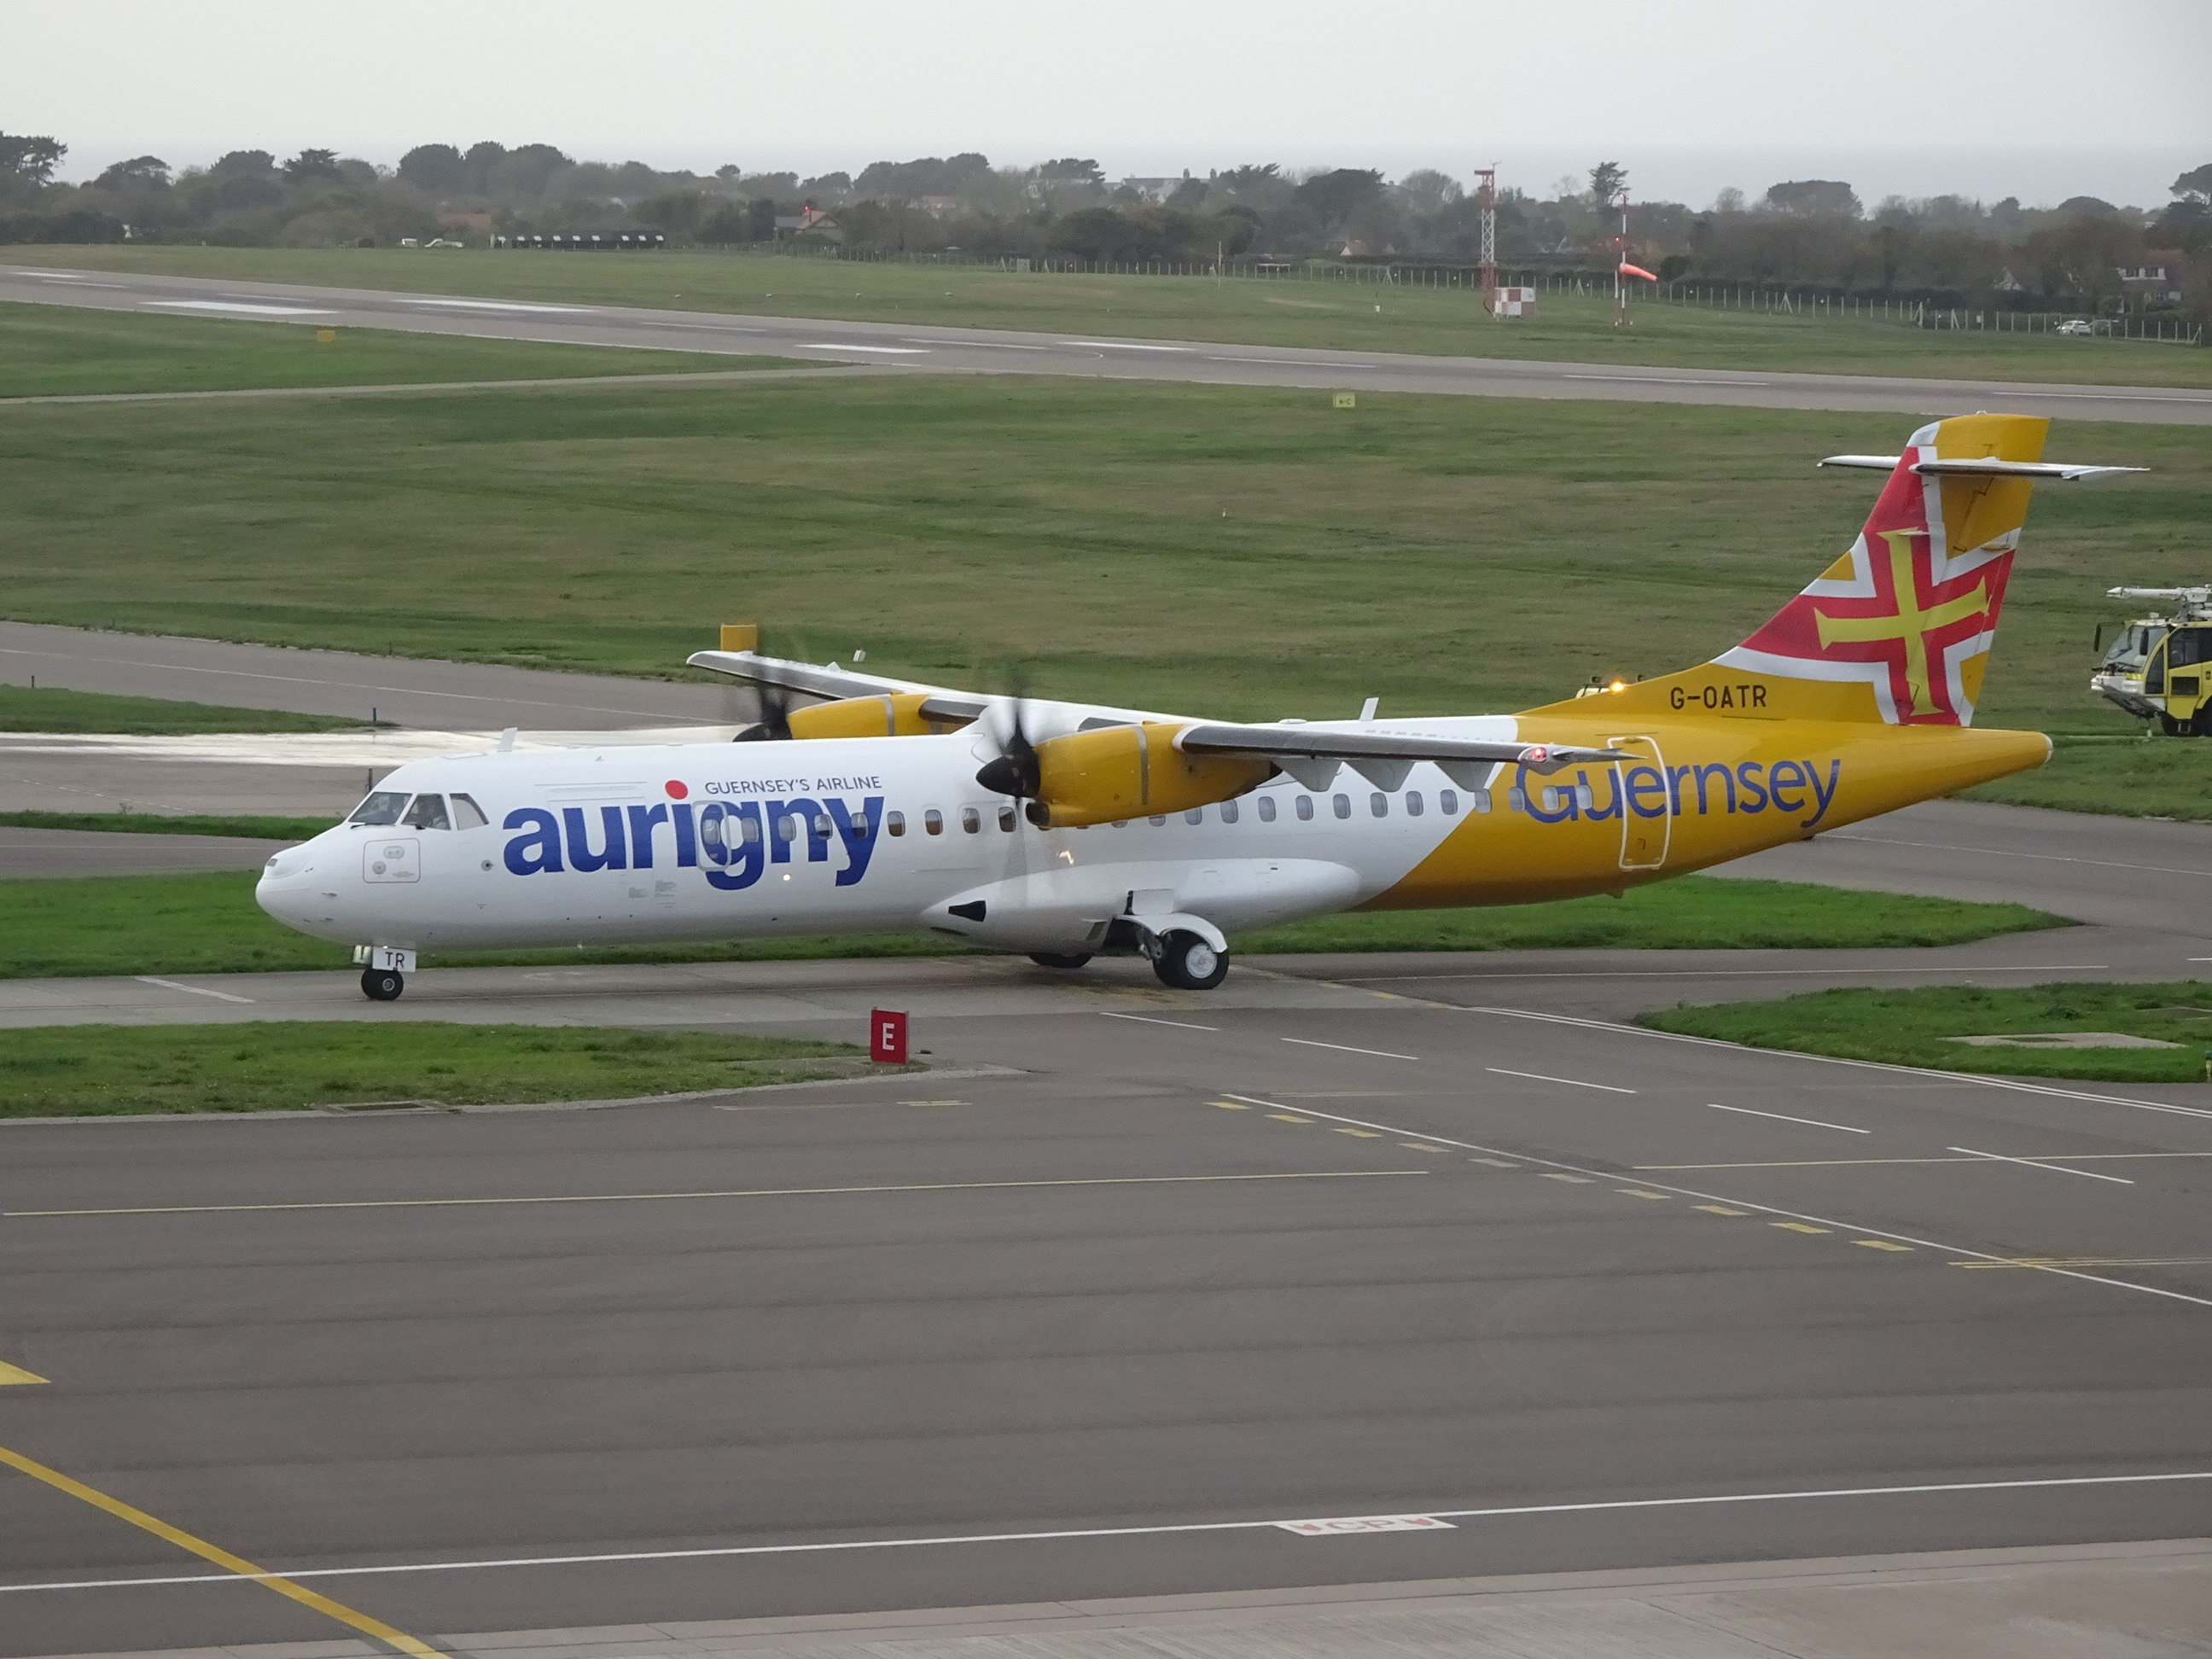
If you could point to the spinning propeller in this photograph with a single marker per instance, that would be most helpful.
(1015, 771)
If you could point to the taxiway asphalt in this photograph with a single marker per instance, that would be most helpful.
(901, 348)
(1593, 1297)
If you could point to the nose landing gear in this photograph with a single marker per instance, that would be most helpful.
(382, 984)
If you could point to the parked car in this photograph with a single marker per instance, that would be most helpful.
(2075, 326)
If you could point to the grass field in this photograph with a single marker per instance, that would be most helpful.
(49, 708)
(113, 1070)
(1910, 1028)
(1222, 550)
(59, 351)
(208, 923)
(1326, 314)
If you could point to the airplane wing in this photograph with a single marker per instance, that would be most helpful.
(1383, 757)
(834, 684)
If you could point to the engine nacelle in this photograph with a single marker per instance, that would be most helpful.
(892, 716)
(1121, 772)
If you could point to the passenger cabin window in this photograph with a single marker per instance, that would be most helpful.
(1006, 818)
(1379, 804)
(787, 828)
(1159, 822)
(1341, 805)
(1196, 815)
(1229, 811)
(823, 828)
(1413, 803)
(1447, 802)
(971, 820)
(384, 806)
(467, 815)
(895, 823)
(1305, 808)
(1266, 809)
(933, 821)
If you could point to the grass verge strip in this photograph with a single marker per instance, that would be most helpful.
(108, 1071)
(208, 923)
(1920, 1026)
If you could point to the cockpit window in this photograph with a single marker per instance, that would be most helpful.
(467, 815)
(428, 812)
(384, 806)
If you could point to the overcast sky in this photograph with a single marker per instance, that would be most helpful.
(2040, 99)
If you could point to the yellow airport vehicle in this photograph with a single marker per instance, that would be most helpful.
(2159, 668)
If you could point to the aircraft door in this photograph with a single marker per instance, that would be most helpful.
(1644, 841)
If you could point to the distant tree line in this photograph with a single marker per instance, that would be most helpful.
(1802, 233)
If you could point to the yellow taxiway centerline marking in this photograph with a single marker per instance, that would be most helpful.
(11, 1375)
(1638, 1192)
(1881, 1245)
(1838, 1163)
(1494, 1163)
(1579, 1181)
(1360, 1134)
(757, 1192)
(1231, 1105)
(222, 1558)
(1720, 1209)
(1797, 1227)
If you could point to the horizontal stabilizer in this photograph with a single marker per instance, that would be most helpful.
(1981, 467)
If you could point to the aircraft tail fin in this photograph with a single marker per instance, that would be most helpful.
(1898, 629)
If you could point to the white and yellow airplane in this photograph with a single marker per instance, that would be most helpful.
(1067, 831)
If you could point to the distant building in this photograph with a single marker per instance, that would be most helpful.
(809, 221)
(465, 218)
(2158, 277)
(1154, 190)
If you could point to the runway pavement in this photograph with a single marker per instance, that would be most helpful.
(1581, 1295)
(899, 348)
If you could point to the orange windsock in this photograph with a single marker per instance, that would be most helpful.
(1627, 270)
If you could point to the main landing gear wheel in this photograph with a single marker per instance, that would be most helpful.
(1070, 960)
(382, 984)
(1187, 962)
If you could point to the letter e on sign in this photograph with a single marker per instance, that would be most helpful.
(1343, 1526)
(887, 1037)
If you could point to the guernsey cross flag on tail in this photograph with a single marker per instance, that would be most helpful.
(1910, 610)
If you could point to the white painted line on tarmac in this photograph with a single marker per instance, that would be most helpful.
(1122, 345)
(241, 305)
(986, 345)
(1973, 1078)
(504, 305)
(171, 985)
(1346, 1048)
(2033, 1163)
(1146, 1019)
(1784, 1117)
(1584, 1172)
(844, 345)
(1572, 1082)
(1499, 1512)
(1661, 379)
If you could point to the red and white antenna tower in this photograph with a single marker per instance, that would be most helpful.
(1486, 197)
(1620, 266)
